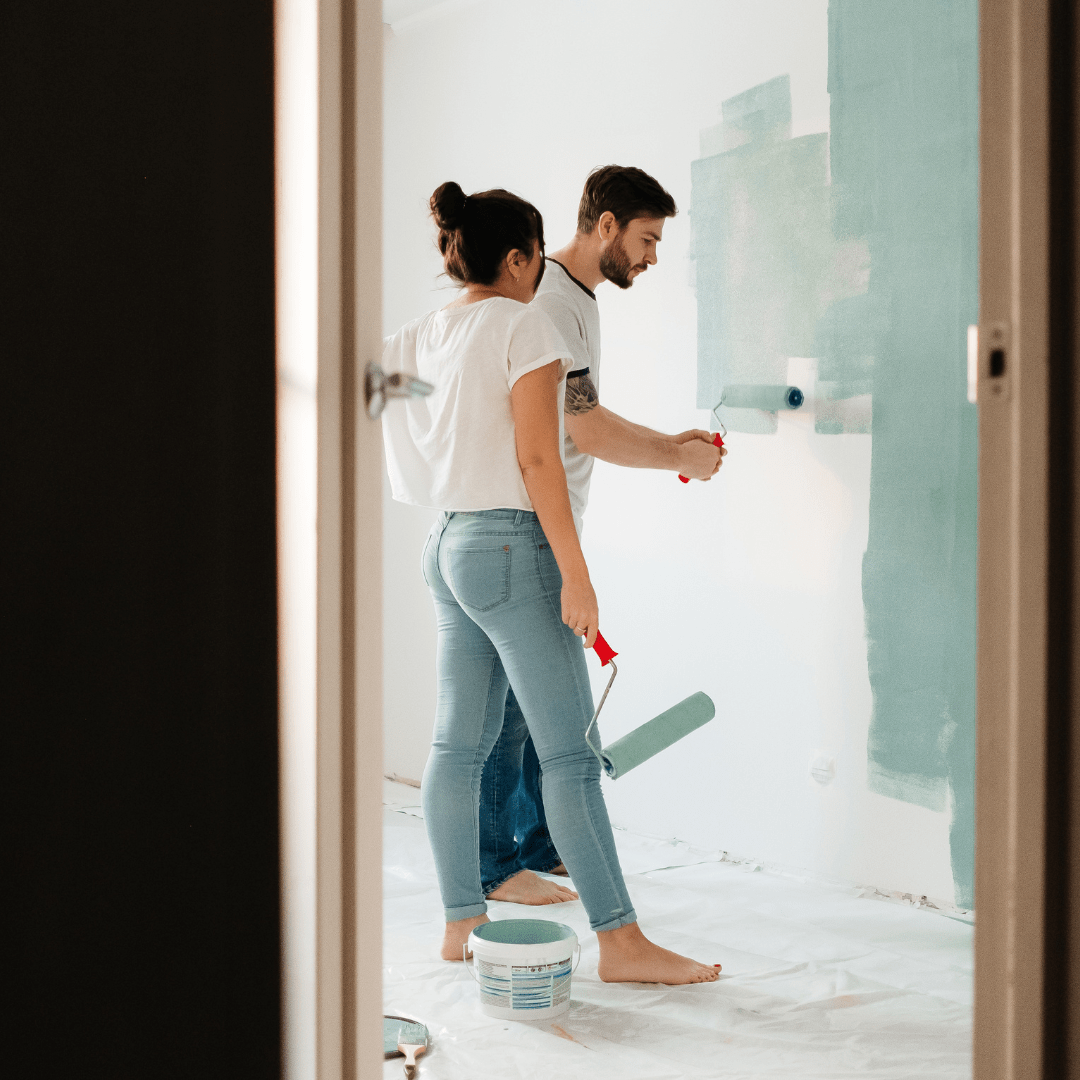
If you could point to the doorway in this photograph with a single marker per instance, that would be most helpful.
(926, 775)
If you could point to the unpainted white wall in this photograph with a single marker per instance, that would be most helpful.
(747, 587)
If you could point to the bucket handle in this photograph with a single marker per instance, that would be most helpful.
(470, 968)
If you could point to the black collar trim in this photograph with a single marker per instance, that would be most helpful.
(583, 288)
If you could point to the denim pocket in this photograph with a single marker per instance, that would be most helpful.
(480, 576)
(548, 567)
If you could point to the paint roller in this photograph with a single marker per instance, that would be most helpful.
(766, 398)
(648, 740)
(750, 396)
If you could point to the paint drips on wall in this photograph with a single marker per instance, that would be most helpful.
(859, 247)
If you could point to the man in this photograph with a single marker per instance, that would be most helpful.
(620, 223)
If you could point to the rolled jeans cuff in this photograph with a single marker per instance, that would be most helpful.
(456, 914)
(614, 924)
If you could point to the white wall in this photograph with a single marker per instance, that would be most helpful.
(747, 587)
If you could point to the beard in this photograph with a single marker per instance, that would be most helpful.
(615, 265)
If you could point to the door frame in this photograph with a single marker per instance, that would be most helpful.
(349, 546)
(1026, 561)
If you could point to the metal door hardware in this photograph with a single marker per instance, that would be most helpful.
(380, 387)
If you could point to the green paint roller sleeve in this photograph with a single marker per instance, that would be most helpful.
(767, 398)
(657, 734)
(648, 740)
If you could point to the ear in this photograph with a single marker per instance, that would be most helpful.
(516, 262)
(607, 226)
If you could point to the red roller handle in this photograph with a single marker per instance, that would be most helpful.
(603, 650)
(717, 441)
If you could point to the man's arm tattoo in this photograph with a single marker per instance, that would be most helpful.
(581, 395)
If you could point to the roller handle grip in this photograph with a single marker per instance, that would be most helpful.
(717, 441)
(603, 650)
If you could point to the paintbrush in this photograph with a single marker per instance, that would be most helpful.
(404, 1036)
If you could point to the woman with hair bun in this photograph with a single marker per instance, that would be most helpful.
(511, 589)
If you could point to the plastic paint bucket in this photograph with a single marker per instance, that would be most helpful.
(523, 967)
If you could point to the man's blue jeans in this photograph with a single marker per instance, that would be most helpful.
(496, 588)
(513, 828)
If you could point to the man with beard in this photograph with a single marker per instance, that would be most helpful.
(620, 223)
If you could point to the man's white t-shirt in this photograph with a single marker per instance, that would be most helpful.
(573, 309)
(455, 449)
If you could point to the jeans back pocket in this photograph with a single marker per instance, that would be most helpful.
(480, 577)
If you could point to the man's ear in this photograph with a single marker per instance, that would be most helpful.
(607, 226)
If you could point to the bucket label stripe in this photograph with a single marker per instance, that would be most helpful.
(524, 986)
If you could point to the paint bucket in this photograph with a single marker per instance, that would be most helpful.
(523, 967)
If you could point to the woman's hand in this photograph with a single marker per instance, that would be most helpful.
(579, 609)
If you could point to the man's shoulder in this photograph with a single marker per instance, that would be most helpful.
(563, 301)
(559, 282)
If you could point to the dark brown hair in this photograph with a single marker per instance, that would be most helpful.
(627, 192)
(476, 232)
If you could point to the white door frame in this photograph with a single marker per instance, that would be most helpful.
(1014, 547)
(349, 665)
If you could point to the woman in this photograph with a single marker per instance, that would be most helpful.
(511, 589)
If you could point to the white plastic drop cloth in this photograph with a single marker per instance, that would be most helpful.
(818, 981)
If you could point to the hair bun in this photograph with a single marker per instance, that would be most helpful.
(448, 205)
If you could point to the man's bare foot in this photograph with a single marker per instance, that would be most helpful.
(457, 936)
(560, 870)
(530, 888)
(627, 955)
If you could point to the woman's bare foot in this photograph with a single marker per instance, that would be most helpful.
(530, 888)
(560, 870)
(627, 955)
(457, 935)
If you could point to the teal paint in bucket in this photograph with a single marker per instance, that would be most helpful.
(523, 967)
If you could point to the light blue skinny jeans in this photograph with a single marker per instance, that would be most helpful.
(497, 593)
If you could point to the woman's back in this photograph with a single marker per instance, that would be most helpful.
(455, 449)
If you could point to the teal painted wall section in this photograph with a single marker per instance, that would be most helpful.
(859, 248)
(904, 119)
(771, 278)
(762, 247)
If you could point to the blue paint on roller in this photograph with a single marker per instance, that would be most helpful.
(767, 398)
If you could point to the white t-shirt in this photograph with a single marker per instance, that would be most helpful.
(574, 311)
(455, 449)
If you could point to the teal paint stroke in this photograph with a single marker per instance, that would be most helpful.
(768, 269)
(860, 248)
(904, 118)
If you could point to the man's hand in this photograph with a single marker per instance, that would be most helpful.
(699, 458)
(693, 433)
